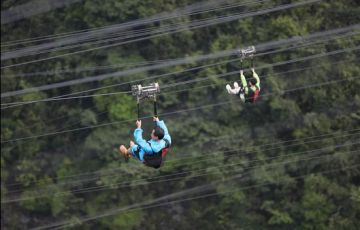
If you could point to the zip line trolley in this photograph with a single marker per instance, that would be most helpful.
(146, 93)
(247, 52)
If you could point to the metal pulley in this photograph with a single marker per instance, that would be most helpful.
(146, 92)
(247, 52)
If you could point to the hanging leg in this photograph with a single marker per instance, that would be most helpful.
(231, 90)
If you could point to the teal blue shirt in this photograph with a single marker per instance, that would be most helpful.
(156, 146)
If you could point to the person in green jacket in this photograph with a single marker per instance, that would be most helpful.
(249, 91)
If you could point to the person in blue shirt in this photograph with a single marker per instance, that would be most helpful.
(151, 152)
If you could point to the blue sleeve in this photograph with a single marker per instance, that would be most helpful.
(162, 125)
(140, 141)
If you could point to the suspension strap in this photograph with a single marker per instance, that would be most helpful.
(155, 107)
(138, 109)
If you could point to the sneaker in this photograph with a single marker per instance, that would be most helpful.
(123, 151)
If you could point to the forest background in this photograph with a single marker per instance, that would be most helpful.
(289, 161)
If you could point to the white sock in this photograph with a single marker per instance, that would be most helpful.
(228, 88)
(236, 88)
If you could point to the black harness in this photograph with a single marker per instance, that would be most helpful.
(155, 160)
(251, 96)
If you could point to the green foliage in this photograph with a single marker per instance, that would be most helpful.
(119, 107)
(129, 220)
(260, 158)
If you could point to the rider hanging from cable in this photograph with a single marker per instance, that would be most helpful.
(151, 152)
(249, 90)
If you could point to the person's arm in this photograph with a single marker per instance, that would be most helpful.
(162, 125)
(139, 139)
(243, 81)
(256, 77)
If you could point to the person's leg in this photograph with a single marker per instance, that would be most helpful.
(230, 90)
(236, 87)
(125, 152)
(136, 151)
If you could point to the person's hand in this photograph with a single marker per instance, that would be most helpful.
(132, 143)
(155, 119)
(241, 72)
(252, 69)
(138, 123)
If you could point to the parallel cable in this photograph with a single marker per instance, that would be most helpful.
(60, 98)
(185, 176)
(152, 203)
(175, 112)
(307, 140)
(201, 7)
(83, 38)
(184, 156)
(133, 34)
(141, 63)
(260, 48)
(223, 20)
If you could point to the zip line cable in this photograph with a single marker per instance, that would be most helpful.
(196, 156)
(201, 7)
(142, 63)
(31, 8)
(191, 89)
(180, 82)
(260, 48)
(222, 20)
(166, 74)
(77, 33)
(157, 201)
(59, 98)
(111, 186)
(175, 112)
(187, 89)
(253, 151)
(84, 69)
(124, 35)
(266, 66)
(218, 138)
(149, 204)
(171, 30)
(153, 77)
(115, 186)
(227, 136)
(187, 157)
(196, 68)
(162, 93)
(161, 31)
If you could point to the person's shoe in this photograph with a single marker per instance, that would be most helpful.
(123, 151)
(228, 88)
